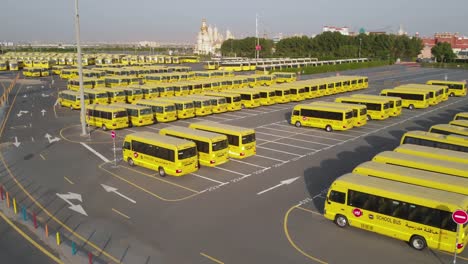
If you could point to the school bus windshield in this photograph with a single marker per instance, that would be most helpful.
(146, 111)
(169, 108)
(248, 138)
(187, 153)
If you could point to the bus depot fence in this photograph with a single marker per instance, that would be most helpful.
(7, 90)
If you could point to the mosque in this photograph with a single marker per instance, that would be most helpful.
(209, 40)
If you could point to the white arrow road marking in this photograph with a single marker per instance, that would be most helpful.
(21, 112)
(75, 207)
(43, 112)
(16, 143)
(45, 95)
(285, 182)
(24, 96)
(51, 140)
(108, 188)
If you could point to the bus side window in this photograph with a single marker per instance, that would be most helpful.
(296, 113)
(337, 197)
(126, 145)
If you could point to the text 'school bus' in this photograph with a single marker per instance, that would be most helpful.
(167, 155)
(97, 97)
(326, 117)
(138, 115)
(422, 163)
(419, 177)
(435, 94)
(446, 129)
(213, 148)
(106, 116)
(451, 142)
(455, 88)
(163, 111)
(359, 111)
(410, 98)
(185, 107)
(461, 116)
(267, 95)
(71, 99)
(435, 153)
(399, 210)
(233, 101)
(241, 140)
(376, 109)
(460, 123)
(394, 102)
(249, 98)
(283, 94)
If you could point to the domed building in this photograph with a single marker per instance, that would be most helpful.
(209, 40)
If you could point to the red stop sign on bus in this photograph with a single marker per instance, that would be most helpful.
(460, 217)
(113, 134)
(357, 212)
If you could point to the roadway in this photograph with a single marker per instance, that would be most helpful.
(223, 214)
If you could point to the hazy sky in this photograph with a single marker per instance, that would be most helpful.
(179, 20)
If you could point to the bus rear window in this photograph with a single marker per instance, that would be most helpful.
(248, 138)
(219, 145)
(187, 153)
(349, 115)
(120, 114)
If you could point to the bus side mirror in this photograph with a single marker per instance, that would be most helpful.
(328, 200)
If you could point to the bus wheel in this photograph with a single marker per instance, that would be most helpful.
(130, 162)
(328, 128)
(411, 107)
(418, 242)
(298, 124)
(341, 221)
(451, 95)
(104, 127)
(368, 117)
(243, 106)
(162, 172)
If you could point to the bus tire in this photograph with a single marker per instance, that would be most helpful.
(131, 162)
(104, 127)
(368, 118)
(341, 220)
(161, 172)
(328, 128)
(451, 94)
(411, 107)
(417, 242)
(298, 124)
(243, 106)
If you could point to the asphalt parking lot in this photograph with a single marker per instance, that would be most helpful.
(262, 209)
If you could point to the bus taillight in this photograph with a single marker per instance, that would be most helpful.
(242, 154)
(178, 171)
(459, 245)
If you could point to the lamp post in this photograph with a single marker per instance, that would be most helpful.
(80, 70)
(360, 42)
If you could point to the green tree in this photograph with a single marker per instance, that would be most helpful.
(443, 52)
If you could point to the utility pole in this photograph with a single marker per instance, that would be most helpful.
(360, 42)
(257, 46)
(80, 70)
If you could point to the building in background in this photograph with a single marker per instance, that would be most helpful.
(342, 30)
(458, 43)
(209, 39)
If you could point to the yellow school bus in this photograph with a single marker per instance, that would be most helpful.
(283, 94)
(97, 97)
(249, 97)
(106, 116)
(35, 72)
(447, 129)
(298, 93)
(165, 89)
(422, 163)
(285, 77)
(311, 89)
(163, 111)
(115, 95)
(74, 84)
(423, 178)
(116, 81)
(452, 142)
(461, 116)
(435, 94)
(359, 111)
(455, 88)
(138, 115)
(69, 73)
(71, 99)
(150, 91)
(267, 95)
(218, 104)
(395, 104)
(181, 89)
(212, 148)
(233, 101)
(434, 153)
(409, 98)
(399, 210)
(133, 93)
(167, 155)
(211, 65)
(326, 117)
(241, 140)
(185, 107)
(202, 105)
(461, 123)
(377, 109)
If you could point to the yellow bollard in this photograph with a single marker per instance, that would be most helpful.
(8, 200)
(58, 238)
(14, 206)
(46, 231)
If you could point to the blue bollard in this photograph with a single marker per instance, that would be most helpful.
(25, 215)
(73, 248)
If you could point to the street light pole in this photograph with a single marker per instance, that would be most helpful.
(360, 42)
(80, 70)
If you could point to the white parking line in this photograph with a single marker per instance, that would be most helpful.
(182, 121)
(275, 150)
(261, 133)
(250, 164)
(295, 133)
(316, 131)
(95, 152)
(218, 117)
(131, 130)
(280, 143)
(249, 109)
(235, 172)
(230, 115)
(209, 179)
(270, 158)
(153, 128)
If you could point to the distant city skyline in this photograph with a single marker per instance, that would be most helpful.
(165, 21)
